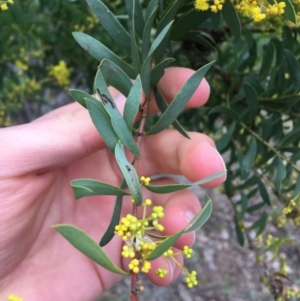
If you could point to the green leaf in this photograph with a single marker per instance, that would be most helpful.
(252, 100)
(166, 19)
(292, 137)
(147, 34)
(132, 103)
(244, 204)
(89, 187)
(255, 207)
(146, 68)
(110, 232)
(135, 13)
(164, 246)
(263, 191)
(98, 51)
(267, 58)
(162, 104)
(231, 18)
(79, 96)
(175, 187)
(115, 76)
(293, 68)
(180, 100)
(226, 111)
(201, 218)
(188, 21)
(225, 139)
(102, 122)
(289, 11)
(238, 231)
(248, 159)
(260, 224)
(281, 174)
(117, 121)
(86, 245)
(150, 8)
(158, 71)
(216, 20)
(135, 55)
(129, 172)
(110, 23)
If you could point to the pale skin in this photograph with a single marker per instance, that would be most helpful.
(37, 163)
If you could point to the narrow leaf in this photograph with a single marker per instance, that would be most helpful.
(102, 122)
(146, 68)
(129, 172)
(98, 51)
(248, 159)
(175, 187)
(79, 96)
(263, 191)
(225, 139)
(147, 34)
(252, 100)
(201, 218)
(164, 246)
(117, 121)
(135, 55)
(135, 13)
(115, 76)
(86, 245)
(150, 8)
(260, 224)
(180, 100)
(110, 232)
(158, 71)
(289, 11)
(162, 104)
(281, 174)
(132, 103)
(231, 18)
(110, 23)
(239, 232)
(89, 187)
(188, 21)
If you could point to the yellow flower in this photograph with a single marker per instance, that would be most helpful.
(3, 6)
(191, 279)
(134, 265)
(201, 5)
(61, 73)
(14, 298)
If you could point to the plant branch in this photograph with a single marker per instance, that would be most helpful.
(273, 149)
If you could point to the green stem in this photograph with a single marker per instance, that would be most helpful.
(273, 149)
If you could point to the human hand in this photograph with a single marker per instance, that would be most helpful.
(37, 163)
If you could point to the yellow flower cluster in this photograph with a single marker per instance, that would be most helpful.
(145, 180)
(3, 4)
(187, 251)
(61, 73)
(257, 9)
(14, 298)
(191, 279)
(136, 233)
(289, 208)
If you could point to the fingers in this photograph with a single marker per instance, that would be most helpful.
(170, 152)
(175, 78)
(67, 135)
(180, 208)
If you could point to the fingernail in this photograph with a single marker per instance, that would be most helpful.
(171, 265)
(188, 216)
(221, 161)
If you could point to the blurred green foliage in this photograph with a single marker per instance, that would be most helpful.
(253, 112)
